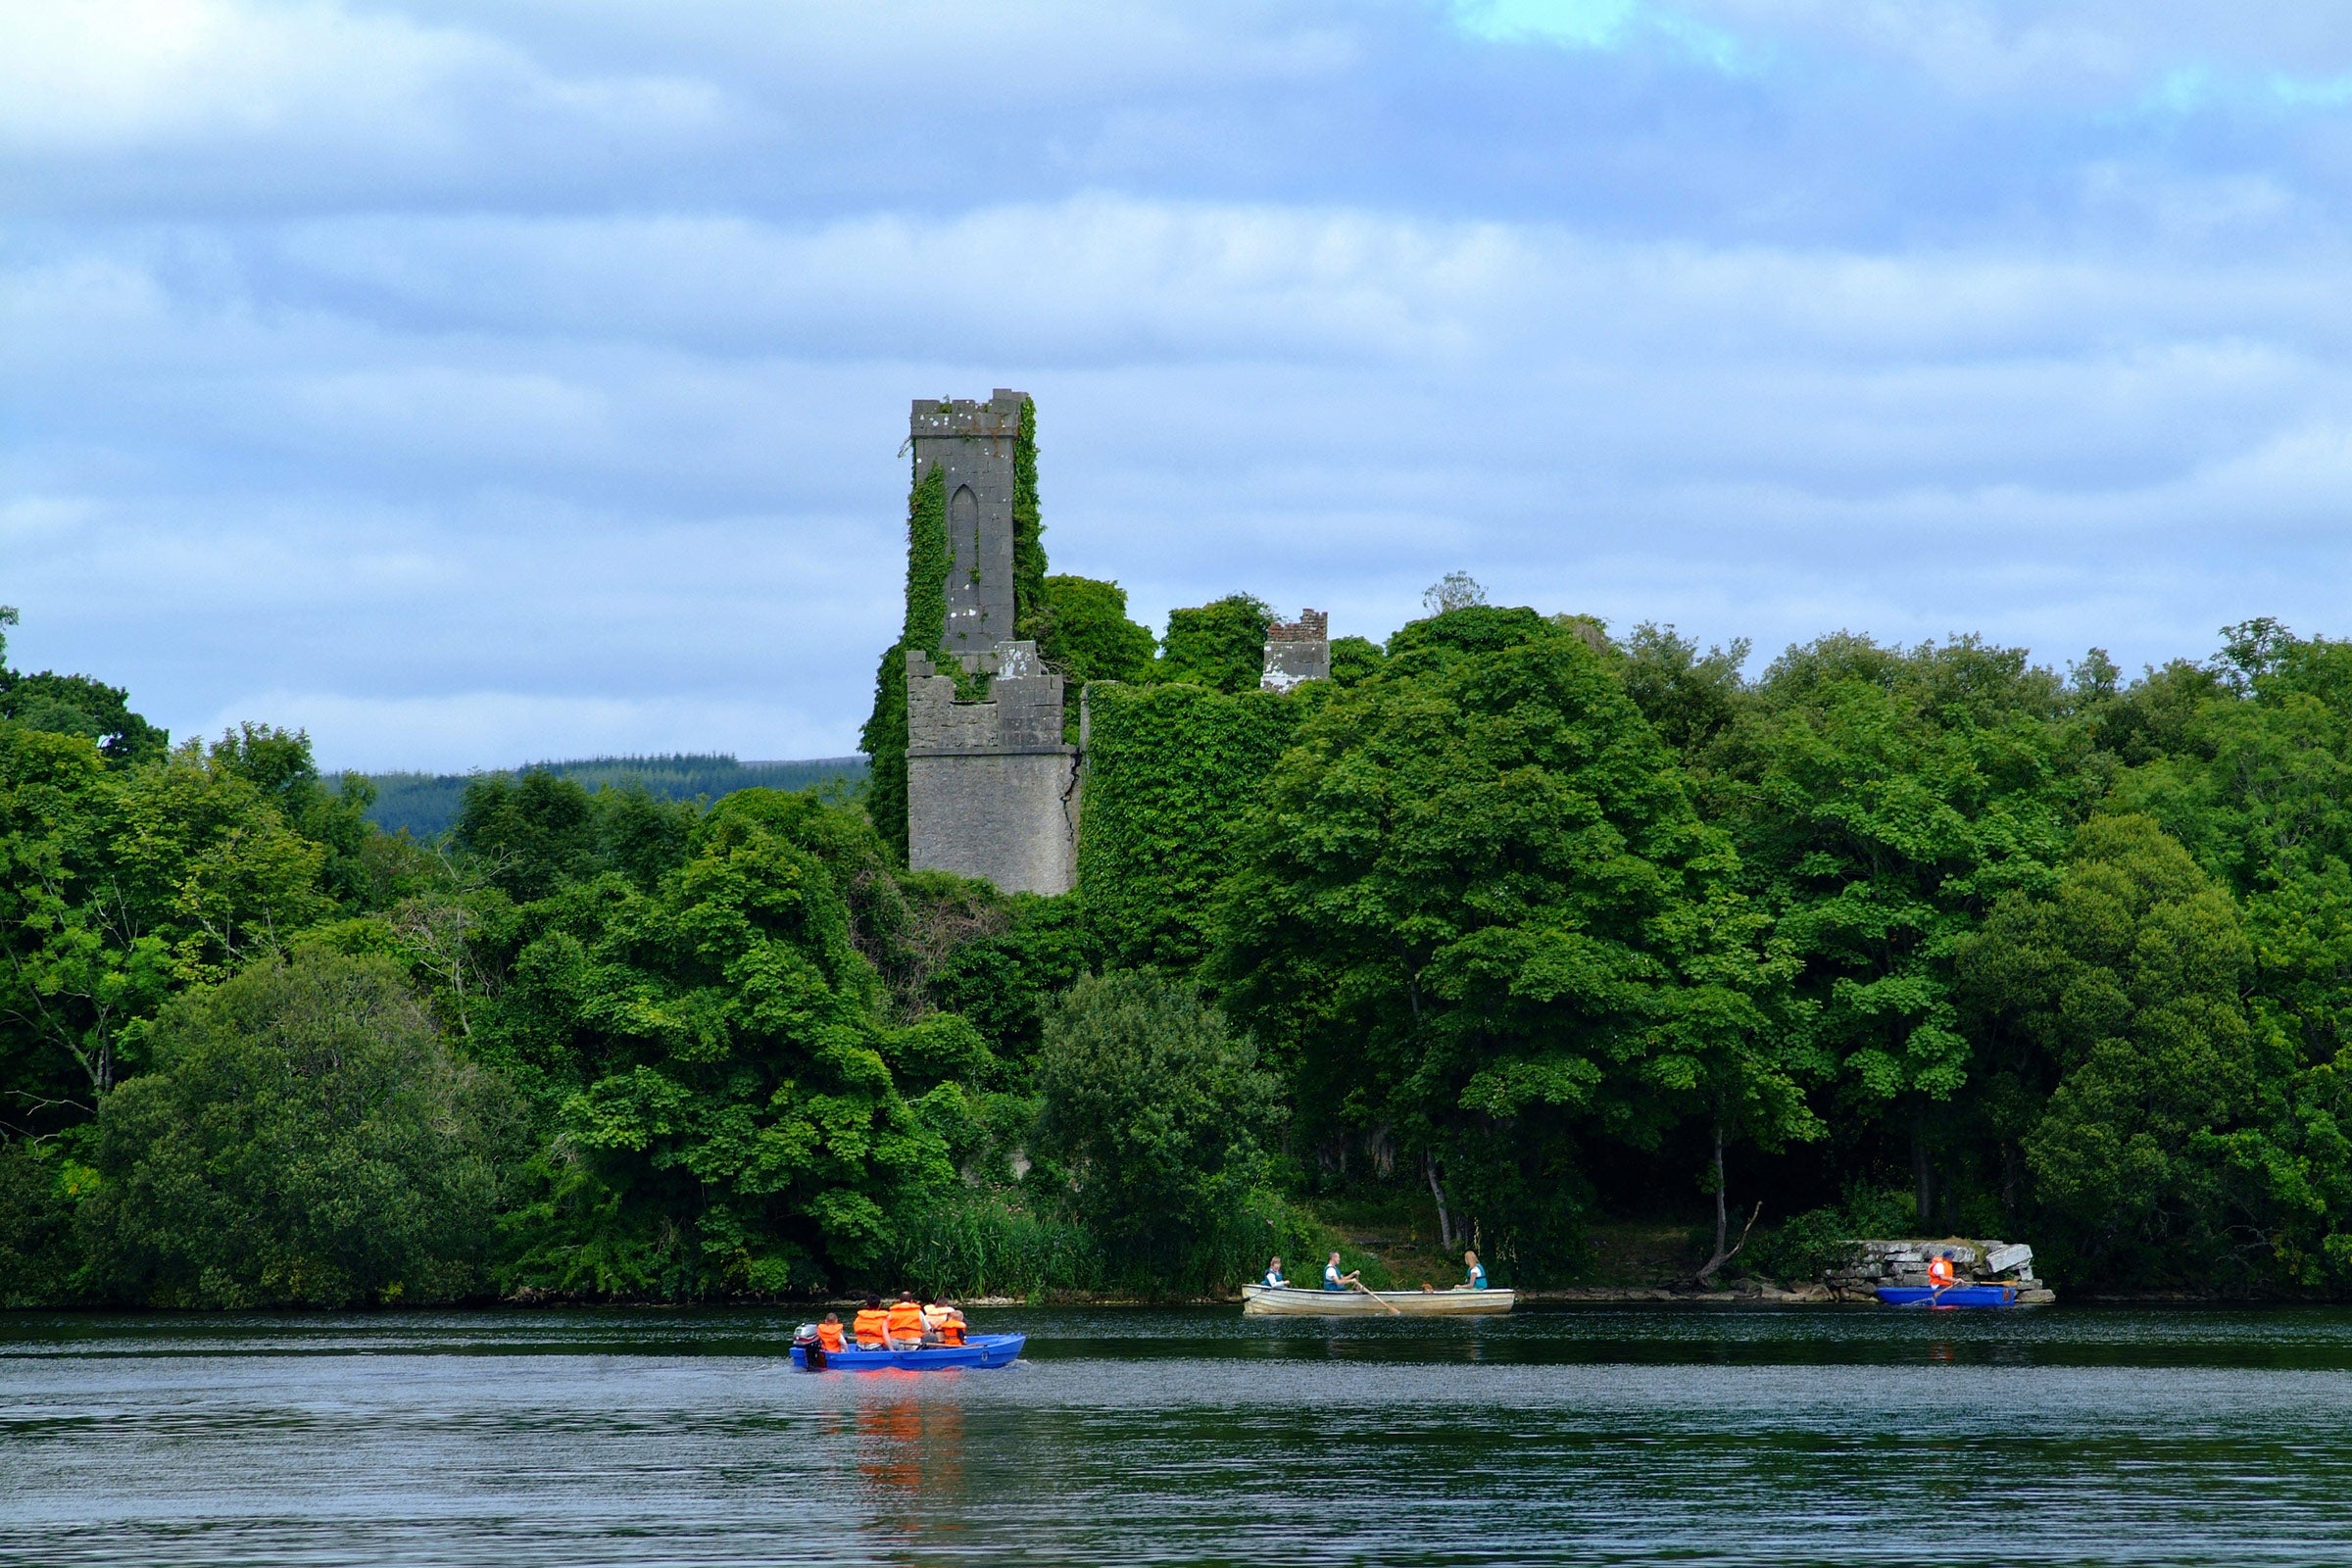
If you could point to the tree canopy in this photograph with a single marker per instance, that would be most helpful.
(1514, 922)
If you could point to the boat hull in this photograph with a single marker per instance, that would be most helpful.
(980, 1351)
(1954, 1297)
(1288, 1300)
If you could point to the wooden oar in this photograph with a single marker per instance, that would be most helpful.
(1377, 1297)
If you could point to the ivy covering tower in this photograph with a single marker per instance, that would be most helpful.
(972, 772)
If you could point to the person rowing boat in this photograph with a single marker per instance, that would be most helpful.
(1333, 1280)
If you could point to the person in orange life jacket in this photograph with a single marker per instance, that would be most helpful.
(828, 1334)
(906, 1323)
(1939, 1271)
(871, 1327)
(945, 1324)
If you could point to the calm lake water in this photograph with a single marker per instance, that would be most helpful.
(1828, 1434)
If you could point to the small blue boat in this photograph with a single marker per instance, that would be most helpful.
(981, 1349)
(1951, 1295)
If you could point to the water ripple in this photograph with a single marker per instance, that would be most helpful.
(1592, 1436)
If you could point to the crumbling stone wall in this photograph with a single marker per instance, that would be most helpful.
(992, 791)
(1298, 650)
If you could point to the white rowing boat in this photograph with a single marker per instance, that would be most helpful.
(1259, 1300)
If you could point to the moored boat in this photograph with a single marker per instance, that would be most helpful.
(981, 1349)
(1259, 1300)
(1991, 1295)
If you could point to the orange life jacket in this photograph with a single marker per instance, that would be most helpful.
(906, 1320)
(948, 1326)
(872, 1326)
(1939, 1271)
(828, 1337)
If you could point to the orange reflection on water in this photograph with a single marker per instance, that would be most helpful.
(906, 1439)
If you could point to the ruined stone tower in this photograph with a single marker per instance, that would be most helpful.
(992, 790)
(972, 444)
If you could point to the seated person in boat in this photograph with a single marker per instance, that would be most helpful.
(871, 1326)
(1333, 1280)
(1477, 1276)
(943, 1324)
(1939, 1271)
(905, 1322)
(1274, 1274)
(828, 1334)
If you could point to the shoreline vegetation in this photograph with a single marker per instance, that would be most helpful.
(1635, 972)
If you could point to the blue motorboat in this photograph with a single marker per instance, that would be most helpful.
(981, 1349)
(1929, 1297)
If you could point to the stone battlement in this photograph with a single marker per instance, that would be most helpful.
(1311, 626)
(999, 415)
(1022, 711)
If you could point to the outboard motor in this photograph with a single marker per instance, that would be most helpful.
(813, 1353)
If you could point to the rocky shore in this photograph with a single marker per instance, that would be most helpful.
(1872, 1264)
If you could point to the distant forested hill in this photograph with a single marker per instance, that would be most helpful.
(426, 803)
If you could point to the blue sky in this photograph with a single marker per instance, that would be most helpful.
(470, 383)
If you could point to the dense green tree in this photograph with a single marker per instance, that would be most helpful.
(2246, 759)
(1003, 981)
(531, 835)
(38, 1257)
(1478, 911)
(1882, 800)
(2254, 777)
(278, 763)
(77, 705)
(733, 1119)
(2111, 1011)
(123, 887)
(1086, 634)
(1688, 697)
(1356, 659)
(1221, 645)
(1157, 1111)
(305, 1138)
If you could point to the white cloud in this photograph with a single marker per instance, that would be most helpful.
(473, 381)
(2092, 52)
(132, 74)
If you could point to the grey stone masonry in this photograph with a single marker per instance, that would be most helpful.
(972, 444)
(1871, 1263)
(1298, 650)
(992, 790)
